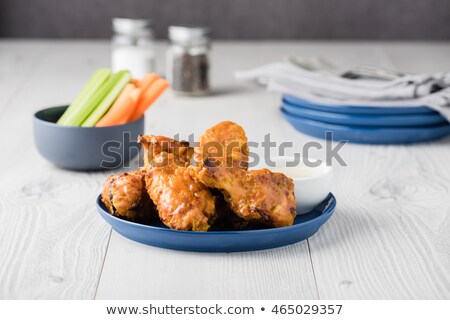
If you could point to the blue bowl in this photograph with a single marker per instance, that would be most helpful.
(355, 109)
(371, 120)
(367, 135)
(159, 235)
(78, 148)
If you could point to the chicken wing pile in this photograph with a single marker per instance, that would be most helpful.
(208, 187)
(125, 196)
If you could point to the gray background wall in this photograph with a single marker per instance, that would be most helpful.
(234, 19)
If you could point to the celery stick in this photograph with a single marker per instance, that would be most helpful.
(121, 80)
(97, 79)
(93, 101)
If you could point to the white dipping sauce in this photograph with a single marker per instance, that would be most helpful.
(299, 171)
(311, 184)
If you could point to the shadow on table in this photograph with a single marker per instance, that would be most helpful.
(226, 90)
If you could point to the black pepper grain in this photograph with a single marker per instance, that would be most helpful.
(190, 73)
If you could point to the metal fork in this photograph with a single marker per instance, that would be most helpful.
(318, 64)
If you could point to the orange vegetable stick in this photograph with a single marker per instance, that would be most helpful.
(135, 94)
(148, 97)
(122, 108)
(147, 81)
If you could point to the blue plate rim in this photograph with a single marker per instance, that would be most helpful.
(366, 120)
(327, 211)
(335, 126)
(346, 116)
(300, 102)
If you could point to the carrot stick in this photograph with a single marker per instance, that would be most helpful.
(122, 109)
(147, 81)
(135, 95)
(144, 84)
(148, 97)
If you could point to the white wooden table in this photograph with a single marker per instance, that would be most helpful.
(389, 238)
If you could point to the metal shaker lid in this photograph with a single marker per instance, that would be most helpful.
(132, 26)
(189, 35)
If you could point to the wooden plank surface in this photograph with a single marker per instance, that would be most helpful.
(389, 237)
(52, 242)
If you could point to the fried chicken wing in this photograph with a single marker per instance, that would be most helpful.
(225, 144)
(218, 190)
(226, 218)
(259, 196)
(155, 145)
(182, 202)
(126, 197)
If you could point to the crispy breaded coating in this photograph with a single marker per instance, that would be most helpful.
(182, 202)
(224, 144)
(259, 196)
(126, 197)
(155, 145)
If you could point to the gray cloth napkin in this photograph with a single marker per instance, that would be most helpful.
(407, 91)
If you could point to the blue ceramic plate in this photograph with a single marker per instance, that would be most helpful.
(356, 109)
(373, 120)
(368, 135)
(223, 241)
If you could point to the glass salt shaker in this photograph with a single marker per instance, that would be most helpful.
(188, 60)
(133, 46)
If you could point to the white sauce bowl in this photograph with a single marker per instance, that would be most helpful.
(312, 183)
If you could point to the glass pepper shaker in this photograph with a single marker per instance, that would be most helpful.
(133, 46)
(188, 60)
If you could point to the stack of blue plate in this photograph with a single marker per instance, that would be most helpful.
(364, 124)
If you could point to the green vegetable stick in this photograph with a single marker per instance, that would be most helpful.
(94, 79)
(121, 80)
(81, 109)
(94, 83)
(93, 101)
